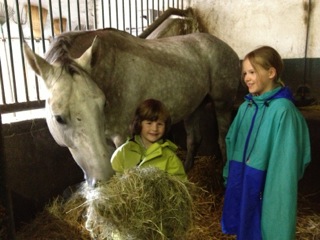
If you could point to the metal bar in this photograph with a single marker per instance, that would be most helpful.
(130, 16)
(60, 17)
(30, 25)
(136, 15)
(87, 15)
(117, 15)
(102, 13)
(2, 85)
(7, 65)
(32, 35)
(153, 18)
(148, 15)
(110, 14)
(21, 50)
(69, 16)
(16, 107)
(142, 16)
(79, 21)
(41, 26)
(11, 54)
(95, 14)
(51, 18)
(123, 16)
(158, 8)
(43, 44)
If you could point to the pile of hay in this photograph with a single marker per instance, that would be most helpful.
(67, 219)
(308, 219)
(143, 203)
(206, 174)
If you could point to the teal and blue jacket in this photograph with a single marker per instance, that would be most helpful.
(268, 149)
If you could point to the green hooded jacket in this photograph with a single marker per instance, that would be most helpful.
(268, 149)
(160, 154)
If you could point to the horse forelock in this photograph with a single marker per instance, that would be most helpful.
(59, 54)
(59, 49)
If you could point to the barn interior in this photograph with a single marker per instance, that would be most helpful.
(35, 169)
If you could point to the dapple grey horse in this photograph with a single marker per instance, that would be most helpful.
(96, 79)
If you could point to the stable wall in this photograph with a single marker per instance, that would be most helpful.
(245, 25)
(251, 23)
(36, 168)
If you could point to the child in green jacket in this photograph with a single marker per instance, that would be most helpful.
(148, 145)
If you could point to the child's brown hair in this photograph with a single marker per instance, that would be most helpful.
(152, 110)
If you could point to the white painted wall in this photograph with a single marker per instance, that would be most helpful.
(247, 24)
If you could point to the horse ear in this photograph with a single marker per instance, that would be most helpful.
(39, 65)
(91, 56)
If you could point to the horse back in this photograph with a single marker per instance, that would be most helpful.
(195, 47)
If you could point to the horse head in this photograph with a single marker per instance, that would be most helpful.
(75, 112)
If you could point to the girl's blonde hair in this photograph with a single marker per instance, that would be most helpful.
(266, 57)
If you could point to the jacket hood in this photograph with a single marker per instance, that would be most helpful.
(279, 92)
(155, 146)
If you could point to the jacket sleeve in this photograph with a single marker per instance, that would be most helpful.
(289, 158)
(175, 167)
(230, 141)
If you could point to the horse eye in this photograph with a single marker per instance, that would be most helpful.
(60, 119)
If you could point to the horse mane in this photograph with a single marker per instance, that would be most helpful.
(60, 47)
(59, 52)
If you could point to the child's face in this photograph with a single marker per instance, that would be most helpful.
(257, 82)
(152, 131)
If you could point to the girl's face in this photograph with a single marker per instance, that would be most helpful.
(258, 81)
(152, 131)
